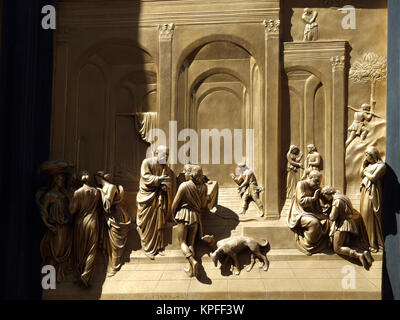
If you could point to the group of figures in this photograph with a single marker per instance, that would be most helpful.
(80, 220)
(164, 197)
(294, 156)
(324, 218)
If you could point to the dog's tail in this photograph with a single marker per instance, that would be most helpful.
(266, 245)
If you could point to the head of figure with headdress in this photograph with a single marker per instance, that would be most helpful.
(241, 168)
(294, 149)
(372, 155)
(56, 171)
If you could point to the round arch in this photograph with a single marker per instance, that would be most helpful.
(220, 70)
(309, 69)
(91, 49)
(198, 43)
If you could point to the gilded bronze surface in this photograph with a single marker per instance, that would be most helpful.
(306, 90)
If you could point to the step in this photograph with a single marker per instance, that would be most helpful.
(176, 256)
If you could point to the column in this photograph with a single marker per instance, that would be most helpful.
(166, 33)
(338, 122)
(272, 119)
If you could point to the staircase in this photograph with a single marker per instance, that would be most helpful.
(292, 275)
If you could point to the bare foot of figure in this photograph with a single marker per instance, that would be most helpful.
(195, 268)
(189, 270)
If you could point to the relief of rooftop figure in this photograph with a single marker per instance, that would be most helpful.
(311, 29)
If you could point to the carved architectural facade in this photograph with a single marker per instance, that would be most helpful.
(126, 67)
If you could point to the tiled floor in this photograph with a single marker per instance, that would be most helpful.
(334, 279)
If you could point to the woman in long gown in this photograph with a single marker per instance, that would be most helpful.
(294, 157)
(53, 202)
(85, 207)
(117, 220)
(371, 208)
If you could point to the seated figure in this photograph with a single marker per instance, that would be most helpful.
(306, 219)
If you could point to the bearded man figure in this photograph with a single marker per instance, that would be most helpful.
(154, 201)
(306, 219)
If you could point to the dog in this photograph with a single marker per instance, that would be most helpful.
(232, 246)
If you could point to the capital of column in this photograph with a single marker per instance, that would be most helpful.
(166, 31)
(338, 63)
(271, 26)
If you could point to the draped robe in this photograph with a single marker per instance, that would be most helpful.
(56, 247)
(85, 206)
(371, 206)
(154, 205)
(306, 219)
